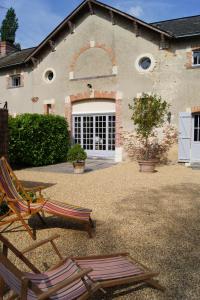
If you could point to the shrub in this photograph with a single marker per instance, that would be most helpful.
(76, 154)
(37, 140)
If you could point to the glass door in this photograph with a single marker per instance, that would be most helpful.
(195, 143)
(95, 133)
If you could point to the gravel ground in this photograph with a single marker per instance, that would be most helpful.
(155, 217)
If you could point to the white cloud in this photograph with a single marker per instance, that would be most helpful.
(136, 11)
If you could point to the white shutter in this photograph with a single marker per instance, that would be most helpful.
(184, 140)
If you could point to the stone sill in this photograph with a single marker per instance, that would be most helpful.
(194, 67)
(15, 87)
(93, 77)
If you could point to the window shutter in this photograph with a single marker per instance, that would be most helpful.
(184, 140)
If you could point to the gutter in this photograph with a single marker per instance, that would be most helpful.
(187, 35)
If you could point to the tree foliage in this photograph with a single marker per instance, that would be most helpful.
(37, 140)
(9, 26)
(148, 112)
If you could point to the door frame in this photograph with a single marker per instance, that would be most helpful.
(99, 95)
(195, 145)
(95, 153)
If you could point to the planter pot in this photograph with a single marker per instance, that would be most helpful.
(147, 165)
(79, 167)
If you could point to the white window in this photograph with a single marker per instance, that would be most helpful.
(196, 58)
(49, 75)
(145, 63)
(15, 81)
(197, 128)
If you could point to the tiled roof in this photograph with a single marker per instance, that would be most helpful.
(15, 58)
(177, 28)
(181, 27)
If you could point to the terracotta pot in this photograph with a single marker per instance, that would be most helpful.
(79, 167)
(147, 165)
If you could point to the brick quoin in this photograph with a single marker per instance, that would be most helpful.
(195, 109)
(76, 56)
(188, 64)
(97, 95)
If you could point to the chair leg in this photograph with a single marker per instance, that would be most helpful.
(155, 284)
(41, 218)
(91, 223)
(2, 285)
(27, 228)
(89, 230)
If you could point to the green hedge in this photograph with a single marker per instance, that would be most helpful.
(37, 140)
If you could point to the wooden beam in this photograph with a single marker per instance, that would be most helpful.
(164, 44)
(34, 61)
(71, 27)
(112, 17)
(136, 28)
(52, 45)
(90, 8)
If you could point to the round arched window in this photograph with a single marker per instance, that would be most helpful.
(145, 63)
(49, 75)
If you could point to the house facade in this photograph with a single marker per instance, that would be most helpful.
(94, 63)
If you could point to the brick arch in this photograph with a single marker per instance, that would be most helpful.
(108, 50)
(104, 95)
(93, 95)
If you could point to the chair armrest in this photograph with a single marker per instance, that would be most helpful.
(40, 243)
(62, 284)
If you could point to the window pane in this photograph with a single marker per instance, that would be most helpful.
(196, 57)
(196, 135)
(196, 123)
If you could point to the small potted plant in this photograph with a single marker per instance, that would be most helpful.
(77, 156)
(148, 113)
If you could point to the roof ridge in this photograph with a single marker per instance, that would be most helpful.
(181, 18)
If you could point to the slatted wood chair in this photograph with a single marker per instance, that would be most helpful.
(66, 282)
(106, 271)
(11, 190)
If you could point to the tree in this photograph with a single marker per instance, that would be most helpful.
(9, 26)
(148, 112)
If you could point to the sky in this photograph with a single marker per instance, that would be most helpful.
(37, 18)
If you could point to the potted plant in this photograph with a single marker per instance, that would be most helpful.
(148, 113)
(77, 156)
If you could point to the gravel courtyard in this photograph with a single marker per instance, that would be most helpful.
(155, 217)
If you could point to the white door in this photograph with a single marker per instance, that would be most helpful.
(195, 144)
(95, 133)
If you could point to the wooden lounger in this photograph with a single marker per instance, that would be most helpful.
(11, 191)
(102, 271)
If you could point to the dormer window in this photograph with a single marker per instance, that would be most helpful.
(196, 58)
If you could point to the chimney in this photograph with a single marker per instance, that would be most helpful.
(6, 48)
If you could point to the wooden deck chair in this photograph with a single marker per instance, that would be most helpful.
(66, 282)
(19, 210)
(108, 271)
(70, 212)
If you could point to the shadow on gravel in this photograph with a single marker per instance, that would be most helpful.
(32, 184)
(166, 234)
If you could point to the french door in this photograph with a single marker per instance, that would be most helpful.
(95, 133)
(195, 143)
